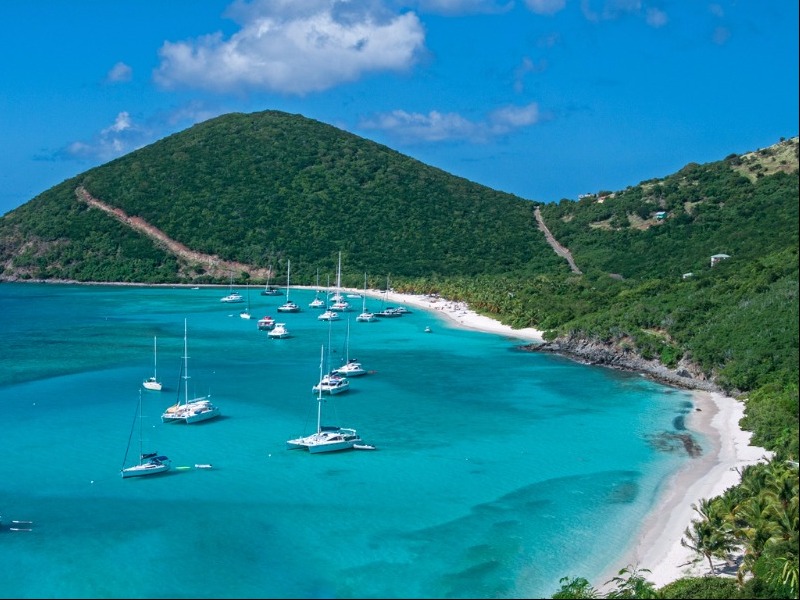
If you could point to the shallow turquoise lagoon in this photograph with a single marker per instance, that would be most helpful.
(497, 471)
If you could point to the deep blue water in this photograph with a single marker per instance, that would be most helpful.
(497, 471)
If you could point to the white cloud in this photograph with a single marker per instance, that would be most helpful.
(121, 123)
(656, 18)
(610, 10)
(716, 10)
(510, 118)
(119, 138)
(119, 72)
(527, 66)
(464, 7)
(125, 135)
(721, 35)
(294, 48)
(439, 127)
(545, 7)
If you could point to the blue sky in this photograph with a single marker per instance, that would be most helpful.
(546, 99)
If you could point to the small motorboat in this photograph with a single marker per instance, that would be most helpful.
(364, 447)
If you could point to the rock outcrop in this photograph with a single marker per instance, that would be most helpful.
(619, 356)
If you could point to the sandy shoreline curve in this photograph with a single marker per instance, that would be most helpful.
(716, 417)
(657, 546)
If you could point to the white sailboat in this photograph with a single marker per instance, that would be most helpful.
(365, 316)
(150, 463)
(317, 302)
(245, 314)
(339, 303)
(351, 367)
(328, 315)
(331, 382)
(387, 311)
(233, 297)
(326, 439)
(288, 306)
(189, 411)
(152, 383)
(268, 289)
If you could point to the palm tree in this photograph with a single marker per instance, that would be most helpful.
(710, 536)
(632, 584)
(577, 588)
(755, 528)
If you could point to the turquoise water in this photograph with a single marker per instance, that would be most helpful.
(497, 471)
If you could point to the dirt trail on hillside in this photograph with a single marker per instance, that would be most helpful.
(558, 248)
(212, 265)
(216, 267)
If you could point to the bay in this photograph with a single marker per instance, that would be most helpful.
(497, 471)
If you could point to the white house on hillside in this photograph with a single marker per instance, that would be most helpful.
(718, 257)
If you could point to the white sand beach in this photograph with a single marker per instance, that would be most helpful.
(458, 313)
(658, 546)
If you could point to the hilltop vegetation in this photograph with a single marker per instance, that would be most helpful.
(261, 189)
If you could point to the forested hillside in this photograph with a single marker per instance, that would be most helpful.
(261, 189)
(264, 188)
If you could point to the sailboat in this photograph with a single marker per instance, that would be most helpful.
(190, 411)
(351, 367)
(329, 314)
(232, 297)
(245, 314)
(387, 311)
(331, 382)
(326, 439)
(317, 302)
(268, 289)
(150, 463)
(288, 306)
(339, 303)
(152, 383)
(365, 316)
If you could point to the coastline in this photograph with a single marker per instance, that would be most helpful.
(657, 546)
(457, 313)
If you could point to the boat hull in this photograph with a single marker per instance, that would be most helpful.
(151, 384)
(331, 389)
(148, 468)
(278, 333)
(326, 441)
(192, 412)
(351, 371)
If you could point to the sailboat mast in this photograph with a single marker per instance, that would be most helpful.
(319, 391)
(347, 343)
(339, 275)
(364, 299)
(141, 447)
(185, 364)
(155, 358)
(328, 366)
(288, 273)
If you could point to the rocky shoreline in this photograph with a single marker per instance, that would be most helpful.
(686, 375)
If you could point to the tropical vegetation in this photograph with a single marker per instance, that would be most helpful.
(254, 190)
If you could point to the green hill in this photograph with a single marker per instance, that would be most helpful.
(259, 189)
(236, 194)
